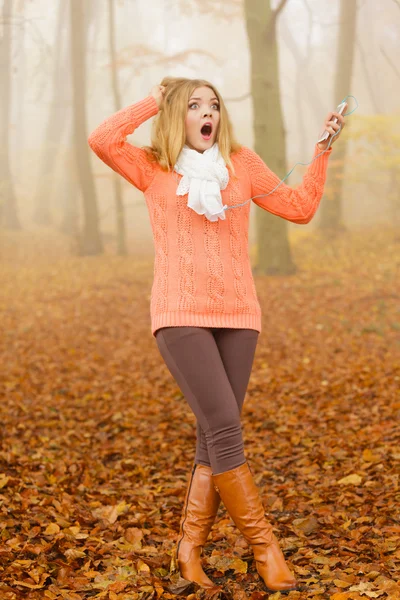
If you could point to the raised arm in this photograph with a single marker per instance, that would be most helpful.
(108, 141)
(299, 204)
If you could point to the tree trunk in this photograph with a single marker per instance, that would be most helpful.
(331, 209)
(9, 218)
(119, 205)
(56, 120)
(20, 86)
(69, 194)
(274, 256)
(90, 240)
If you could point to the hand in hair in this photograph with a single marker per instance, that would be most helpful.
(157, 91)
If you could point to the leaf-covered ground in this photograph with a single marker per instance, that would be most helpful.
(98, 441)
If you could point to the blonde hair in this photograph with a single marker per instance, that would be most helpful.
(168, 133)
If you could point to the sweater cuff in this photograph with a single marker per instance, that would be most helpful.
(319, 166)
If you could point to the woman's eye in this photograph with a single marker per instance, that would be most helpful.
(195, 104)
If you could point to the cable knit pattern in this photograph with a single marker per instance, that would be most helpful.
(186, 274)
(236, 240)
(294, 204)
(252, 284)
(215, 267)
(158, 210)
(109, 143)
(202, 270)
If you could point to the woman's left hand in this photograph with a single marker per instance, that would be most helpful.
(332, 128)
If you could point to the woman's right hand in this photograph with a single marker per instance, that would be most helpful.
(157, 91)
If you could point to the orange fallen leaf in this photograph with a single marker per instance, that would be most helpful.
(306, 525)
(352, 479)
(341, 583)
(73, 553)
(142, 566)
(4, 479)
(52, 529)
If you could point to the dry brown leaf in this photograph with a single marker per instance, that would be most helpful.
(73, 553)
(341, 583)
(352, 479)
(307, 525)
(52, 529)
(98, 440)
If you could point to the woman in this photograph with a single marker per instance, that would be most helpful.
(205, 315)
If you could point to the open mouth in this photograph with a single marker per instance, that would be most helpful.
(206, 131)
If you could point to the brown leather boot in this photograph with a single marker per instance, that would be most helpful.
(199, 512)
(239, 493)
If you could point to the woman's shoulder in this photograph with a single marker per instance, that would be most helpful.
(241, 151)
(155, 159)
(243, 155)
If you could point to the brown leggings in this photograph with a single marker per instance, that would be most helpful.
(212, 367)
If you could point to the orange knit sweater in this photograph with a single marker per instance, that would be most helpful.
(202, 270)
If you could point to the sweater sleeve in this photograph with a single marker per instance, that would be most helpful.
(299, 204)
(108, 141)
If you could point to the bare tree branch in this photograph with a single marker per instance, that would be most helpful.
(280, 7)
(270, 28)
(370, 86)
(391, 63)
(238, 98)
(145, 56)
(219, 9)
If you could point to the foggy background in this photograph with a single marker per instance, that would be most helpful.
(41, 189)
(97, 439)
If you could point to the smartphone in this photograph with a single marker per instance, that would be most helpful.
(339, 109)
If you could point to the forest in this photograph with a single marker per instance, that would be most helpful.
(97, 437)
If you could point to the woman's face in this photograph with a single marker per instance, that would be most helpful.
(203, 107)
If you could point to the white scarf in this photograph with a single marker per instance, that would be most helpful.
(204, 175)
